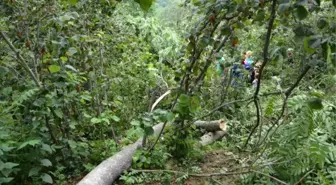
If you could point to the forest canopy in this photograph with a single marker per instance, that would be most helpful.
(168, 92)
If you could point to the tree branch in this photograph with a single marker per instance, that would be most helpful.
(301, 180)
(223, 105)
(276, 179)
(265, 53)
(21, 60)
(193, 174)
(287, 94)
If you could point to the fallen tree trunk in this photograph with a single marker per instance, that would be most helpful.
(211, 125)
(211, 137)
(110, 169)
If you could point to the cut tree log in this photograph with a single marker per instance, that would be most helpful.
(110, 169)
(211, 137)
(211, 126)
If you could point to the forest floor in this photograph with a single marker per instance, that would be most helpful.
(215, 161)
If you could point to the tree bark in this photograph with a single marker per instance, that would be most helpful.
(212, 137)
(110, 169)
(211, 126)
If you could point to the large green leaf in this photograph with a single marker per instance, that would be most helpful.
(306, 45)
(71, 51)
(115, 118)
(5, 179)
(47, 148)
(95, 120)
(72, 2)
(149, 130)
(301, 12)
(34, 171)
(59, 113)
(54, 68)
(315, 103)
(46, 178)
(194, 103)
(7, 165)
(169, 116)
(145, 4)
(30, 142)
(46, 162)
(184, 100)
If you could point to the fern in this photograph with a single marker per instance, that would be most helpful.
(21, 98)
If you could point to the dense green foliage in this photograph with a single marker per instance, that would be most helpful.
(79, 78)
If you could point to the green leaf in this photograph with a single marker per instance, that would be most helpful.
(306, 45)
(321, 23)
(184, 100)
(33, 172)
(47, 148)
(204, 42)
(115, 118)
(5, 179)
(149, 130)
(170, 116)
(315, 103)
(72, 51)
(95, 120)
(145, 4)
(3, 70)
(64, 59)
(225, 30)
(70, 67)
(58, 113)
(8, 165)
(135, 123)
(46, 178)
(31, 143)
(194, 103)
(334, 3)
(46, 162)
(260, 15)
(72, 2)
(301, 12)
(54, 68)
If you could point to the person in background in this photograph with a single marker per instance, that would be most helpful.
(243, 58)
(290, 55)
(256, 72)
(248, 60)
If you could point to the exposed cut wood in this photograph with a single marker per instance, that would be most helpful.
(211, 125)
(211, 137)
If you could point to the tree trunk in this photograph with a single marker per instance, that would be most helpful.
(110, 169)
(210, 126)
(212, 137)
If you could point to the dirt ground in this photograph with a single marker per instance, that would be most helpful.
(219, 161)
